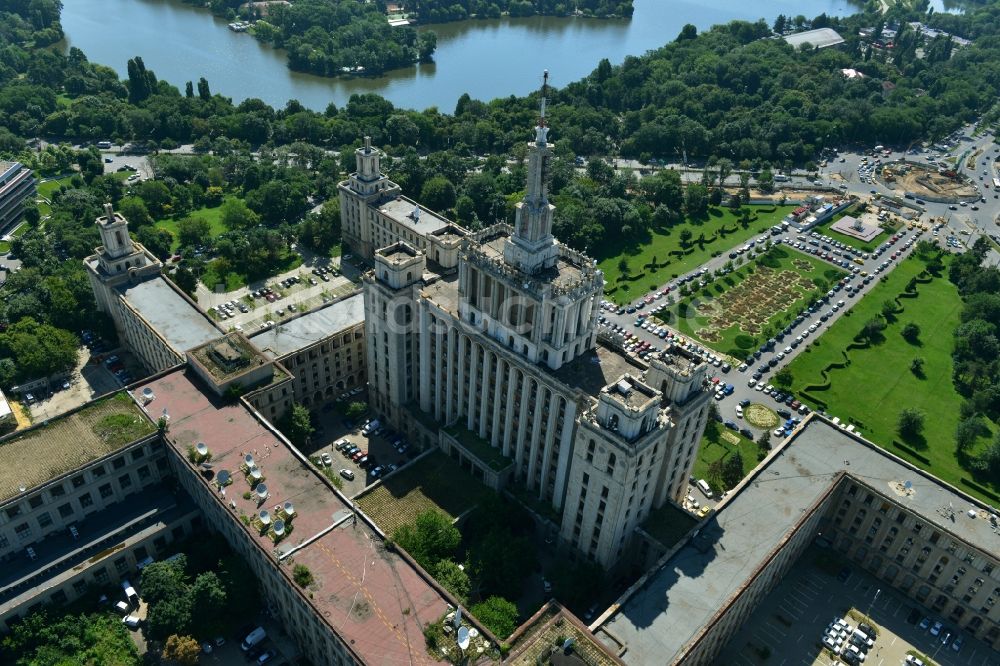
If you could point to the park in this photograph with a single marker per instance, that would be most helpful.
(740, 310)
(671, 251)
(890, 354)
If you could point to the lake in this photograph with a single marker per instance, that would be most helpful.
(487, 59)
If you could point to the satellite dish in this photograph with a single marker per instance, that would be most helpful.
(201, 448)
(265, 517)
(289, 509)
(223, 477)
(248, 459)
(279, 527)
(262, 490)
(255, 473)
(147, 393)
(908, 484)
(463, 638)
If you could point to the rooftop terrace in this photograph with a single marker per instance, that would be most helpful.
(674, 603)
(375, 599)
(596, 369)
(32, 457)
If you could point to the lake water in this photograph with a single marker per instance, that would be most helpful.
(486, 59)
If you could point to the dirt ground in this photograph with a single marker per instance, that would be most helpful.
(923, 182)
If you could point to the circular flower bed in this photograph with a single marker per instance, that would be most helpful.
(760, 416)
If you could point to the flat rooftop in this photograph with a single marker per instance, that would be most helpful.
(32, 457)
(443, 293)
(401, 210)
(309, 328)
(596, 369)
(564, 274)
(178, 320)
(373, 598)
(679, 599)
(227, 357)
(820, 38)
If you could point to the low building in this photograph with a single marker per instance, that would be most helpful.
(324, 349)
(17, 185)
(819, 38)
(82, 500)
(927, 539)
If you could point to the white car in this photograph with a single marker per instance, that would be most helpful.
(739, 411)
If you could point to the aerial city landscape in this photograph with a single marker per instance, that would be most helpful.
(500, 332)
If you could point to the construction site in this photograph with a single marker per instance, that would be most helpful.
(927, 182)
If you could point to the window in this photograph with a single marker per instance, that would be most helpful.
(35, 501)
(101, 576)
(22, 531)
(57, 491)
(66, 510)
(98, 471)
(121, 565)
(78, 480)
(44, 519)
(143, 472)
(14, 511)
(124, 481)
(138, 453)
(79, 587)
(105, 491)
(118, 462)
(86, 500)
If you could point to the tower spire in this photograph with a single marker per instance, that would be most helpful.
(542, 130)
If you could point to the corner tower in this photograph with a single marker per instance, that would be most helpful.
(363, 189)
(118, 261)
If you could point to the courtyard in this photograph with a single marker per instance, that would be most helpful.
(787, 626)
(740, 310)
(867, 244)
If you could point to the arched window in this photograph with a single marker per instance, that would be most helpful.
(118, 237)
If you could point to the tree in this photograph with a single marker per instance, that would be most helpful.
(182, 649)
(453, 578)
(170, 616)
(134, 210)
(296, 424)
(302, 576)
(208, 596)
(685, 237)
(164, 580)
(156, 240)
(696, 200)
(687, 32)
(430, 538)
(498, 615)
(728, 471)
(203, 91)
(968, 430)
(911, 422)
(194, 231)
(910, 332)
(889, 309)
(872, 330)
(438, 193)
(784, 377)
(237, 216)
(321, 231)
(917, 366)
(39, 350)
(356, 410)
(45, 638)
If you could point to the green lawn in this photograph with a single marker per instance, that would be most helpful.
(878, 383)
(723, 446)
(825, 230)
(717, 233)
(48, 187)
(743, 291)
(211, 215)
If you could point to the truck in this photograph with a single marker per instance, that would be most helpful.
(253, 638)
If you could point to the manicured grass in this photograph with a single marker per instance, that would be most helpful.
(722, 446)
(732, 293)
(877, 384)
(211, 215)
(434, 482)
(48, 187)
(665, 241)
(4, 247)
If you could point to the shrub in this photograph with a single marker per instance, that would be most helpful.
(302, 575)
(744, 341)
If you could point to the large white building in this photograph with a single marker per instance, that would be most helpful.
(499, 364)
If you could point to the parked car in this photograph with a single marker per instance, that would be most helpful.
(347, 474)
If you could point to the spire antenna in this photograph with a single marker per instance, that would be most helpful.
(545, 94)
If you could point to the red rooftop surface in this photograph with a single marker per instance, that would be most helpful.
(373, 598)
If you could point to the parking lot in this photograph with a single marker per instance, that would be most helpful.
(89, 379)
(790, 622)
(331, 428)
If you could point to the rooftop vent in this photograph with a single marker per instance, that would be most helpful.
(255, 473)
(289, 509)
(262, 490)
(248, 459)
(623, 387)
(201, 448)
(147, 395)
(279, 527)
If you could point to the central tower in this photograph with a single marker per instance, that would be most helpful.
(532, 248)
